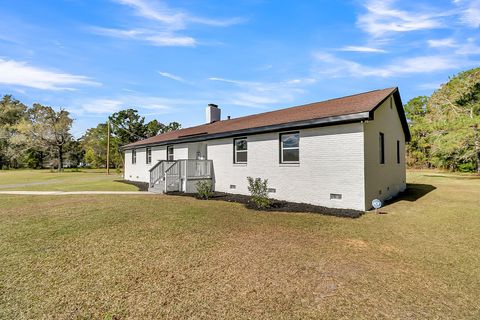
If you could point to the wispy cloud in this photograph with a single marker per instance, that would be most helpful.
(442, 43)
(156, 11)
(469, 47)
(470, 12)
(429, 86)
(18, 73)
(258, 94)
(163, 39)
(331, 65)
(167, 23)
(171, 76)
(147, 105)
(99, 106)
(174, 18)
(362, 49)
(382, 18)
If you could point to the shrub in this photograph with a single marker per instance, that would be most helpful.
(466, 167)
(259, 191)
(204, 189)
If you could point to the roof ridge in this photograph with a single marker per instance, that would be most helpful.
(300, 105)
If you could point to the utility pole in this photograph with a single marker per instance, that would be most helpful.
(108, 146)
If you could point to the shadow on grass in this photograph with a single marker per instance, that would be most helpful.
(413, 192)
(142, 186)
(455, 177)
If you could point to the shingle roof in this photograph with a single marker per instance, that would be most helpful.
(354, 104)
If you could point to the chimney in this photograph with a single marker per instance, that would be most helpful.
(213, 113)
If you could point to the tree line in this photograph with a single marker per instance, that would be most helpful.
(40, 137)
(445, 126)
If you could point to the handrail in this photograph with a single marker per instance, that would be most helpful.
(157, 172)
(182, 168)
(156, 165)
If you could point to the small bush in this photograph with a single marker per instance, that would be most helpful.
(204, 189)
(466, 167)
(259, 191)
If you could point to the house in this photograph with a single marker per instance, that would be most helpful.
(339, 153)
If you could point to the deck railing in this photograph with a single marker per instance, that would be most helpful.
(198, 169)
(173, 176)
(157, 172)
(172, 172)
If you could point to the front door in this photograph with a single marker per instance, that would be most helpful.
(201, 151)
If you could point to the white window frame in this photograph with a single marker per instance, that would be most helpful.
(172, 154)
(289, 148)
(235, 151)
(148, 155)
(134, 156)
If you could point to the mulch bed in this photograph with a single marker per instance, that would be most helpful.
(279, 205)
(142, 186)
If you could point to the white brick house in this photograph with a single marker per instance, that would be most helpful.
(340, 153)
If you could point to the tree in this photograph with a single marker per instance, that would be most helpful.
(154, 128)
(94, 144)
(456, 110)
(74, 153)
(445, 126)
(12, 112)
(128, 126)
(418, 150)
(172, 126)
(50, 130)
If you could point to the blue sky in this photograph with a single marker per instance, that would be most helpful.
(168, 59)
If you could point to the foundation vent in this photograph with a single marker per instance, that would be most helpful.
(335, 196)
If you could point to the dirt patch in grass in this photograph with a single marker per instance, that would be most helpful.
(142, 186)
(279, 205)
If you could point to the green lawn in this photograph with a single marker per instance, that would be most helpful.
(45, 180)
(144, 257)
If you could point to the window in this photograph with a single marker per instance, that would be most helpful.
(148, 152)
(398, 151)
(134, 156)
(289, 147)
(382, 147)
(240, 150)
(170, 153)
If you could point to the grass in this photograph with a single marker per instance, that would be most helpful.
(45, 180)
(111, 257)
